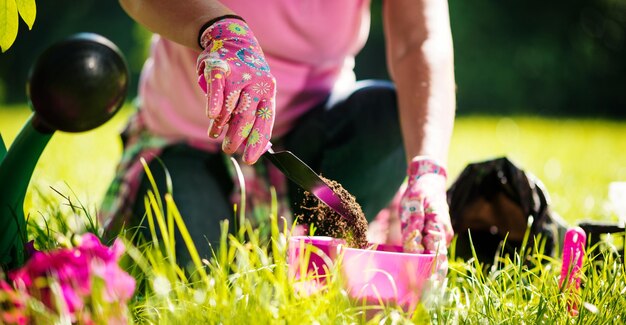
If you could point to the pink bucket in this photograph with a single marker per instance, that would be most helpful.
(381, 273)
(384, 273)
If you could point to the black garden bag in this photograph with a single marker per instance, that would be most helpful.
(494, 198)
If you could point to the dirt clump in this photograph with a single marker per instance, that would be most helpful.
(352, 228)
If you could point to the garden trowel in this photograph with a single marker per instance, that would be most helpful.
(301, 174)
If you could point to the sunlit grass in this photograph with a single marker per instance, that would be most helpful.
(247, 283)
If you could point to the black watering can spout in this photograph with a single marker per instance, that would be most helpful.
(75, 85)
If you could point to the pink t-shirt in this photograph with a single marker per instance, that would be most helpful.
(309, 44)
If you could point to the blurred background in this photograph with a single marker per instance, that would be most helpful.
(542, 82)
(530, 57)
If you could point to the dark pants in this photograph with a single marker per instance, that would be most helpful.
(356, 142)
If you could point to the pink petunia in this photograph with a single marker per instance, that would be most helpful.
(13, 306)
(73, 269)
(70, 268)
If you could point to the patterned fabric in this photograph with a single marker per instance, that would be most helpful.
(425, 221)
(116, 209)
(240, 89)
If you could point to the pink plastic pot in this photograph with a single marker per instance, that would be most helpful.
(384, 273)
(381, 273)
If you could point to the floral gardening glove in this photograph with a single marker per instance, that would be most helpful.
(424, 212)
(240, 90)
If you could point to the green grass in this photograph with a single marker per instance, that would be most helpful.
(247, 281)
(575, 159)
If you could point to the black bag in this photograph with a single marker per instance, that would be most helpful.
(494, 198)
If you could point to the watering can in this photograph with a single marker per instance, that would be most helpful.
(75, 85)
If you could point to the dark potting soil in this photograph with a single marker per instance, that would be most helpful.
(328, 222)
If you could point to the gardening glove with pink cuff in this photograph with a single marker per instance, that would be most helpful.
(240, 89)
(424, 212)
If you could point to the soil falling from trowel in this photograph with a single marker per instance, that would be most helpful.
(352, 228)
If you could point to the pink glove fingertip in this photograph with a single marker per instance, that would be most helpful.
(215, 94)
(241, 125)
(264, 123)
(202, 83)
(256, 143)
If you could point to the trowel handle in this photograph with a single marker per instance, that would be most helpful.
(573, 254)
(268, 148)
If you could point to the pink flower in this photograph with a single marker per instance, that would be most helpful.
(70, 268)
(104, 264)
(73, 269)
(13, 306)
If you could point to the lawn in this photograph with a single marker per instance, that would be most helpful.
(575, 158)
(246, 282)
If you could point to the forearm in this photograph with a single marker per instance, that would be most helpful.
(179, 21)
(421, 64)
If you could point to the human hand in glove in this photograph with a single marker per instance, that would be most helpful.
(240, 89)
(424, 212)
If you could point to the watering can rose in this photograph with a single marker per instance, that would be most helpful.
(64, 280)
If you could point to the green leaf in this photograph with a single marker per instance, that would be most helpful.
(28, 11)
(8, 23)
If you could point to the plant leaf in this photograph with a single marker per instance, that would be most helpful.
(28, 11)
(8, 23)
